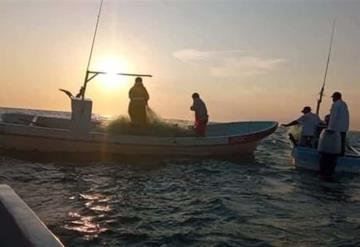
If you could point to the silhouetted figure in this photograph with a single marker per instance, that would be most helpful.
(201, 114)
(323, 125)
(81, 92)
(309, 122)
(138, 101)
(339, 118)
(327, 119)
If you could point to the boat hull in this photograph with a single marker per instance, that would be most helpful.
(29, 138)
(308, 158)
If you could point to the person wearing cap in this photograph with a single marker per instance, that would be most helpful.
(138, 101)
(201, 115)
(309, 122)
(339, 118)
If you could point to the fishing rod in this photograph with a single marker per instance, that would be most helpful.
(326, 70)
(89, 75)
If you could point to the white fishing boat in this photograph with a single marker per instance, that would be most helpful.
(25, 132)
(308, 158)
(78, 134)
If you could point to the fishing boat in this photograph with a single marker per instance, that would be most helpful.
(78, 134)
(26, 132)
(308, 158)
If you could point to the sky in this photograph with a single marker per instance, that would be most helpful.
(248, 60)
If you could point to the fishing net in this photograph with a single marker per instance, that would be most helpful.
(156, 126)
(295, 131)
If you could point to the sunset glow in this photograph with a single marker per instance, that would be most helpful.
(245, 65)
(111, 66)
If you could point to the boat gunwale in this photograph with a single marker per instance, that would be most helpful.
(88, 137)
(311, 150)
(272, 124)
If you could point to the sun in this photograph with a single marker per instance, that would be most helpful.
(111, 66)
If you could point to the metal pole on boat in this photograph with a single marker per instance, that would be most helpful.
(89, 75)
(91, 51)
(326, 69)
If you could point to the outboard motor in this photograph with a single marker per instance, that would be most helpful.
(329, 149)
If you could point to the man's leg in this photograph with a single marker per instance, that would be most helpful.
(201, 128)
(343, 143)
(327, 165)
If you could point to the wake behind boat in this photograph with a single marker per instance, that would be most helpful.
(26, 132)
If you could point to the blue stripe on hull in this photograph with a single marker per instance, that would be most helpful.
(308, 158)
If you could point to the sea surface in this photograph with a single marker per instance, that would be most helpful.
(261, 200)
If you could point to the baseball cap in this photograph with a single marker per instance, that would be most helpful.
(306, 109)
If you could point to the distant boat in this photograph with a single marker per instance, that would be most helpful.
(308, 158)
(26, 132)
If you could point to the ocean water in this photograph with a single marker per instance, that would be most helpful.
(257, 201)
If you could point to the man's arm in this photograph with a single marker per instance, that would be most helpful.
(295, 122)
(194, 106)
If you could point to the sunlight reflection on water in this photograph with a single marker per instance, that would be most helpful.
(85, 225)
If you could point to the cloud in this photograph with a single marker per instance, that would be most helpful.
(229, 63)
(192, 55)
(245, 66)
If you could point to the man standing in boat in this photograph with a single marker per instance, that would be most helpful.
(339, 118)
(201, 114)
(309, 122)
(139, 98)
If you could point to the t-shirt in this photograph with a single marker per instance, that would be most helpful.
(138, 93)
(339, 116)
(309, 122)
(200, 108)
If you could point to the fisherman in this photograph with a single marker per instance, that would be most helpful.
(138, 102)
(323, 125)
(309, 122)
(201, 115)
(339, 118)
(332, 140)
